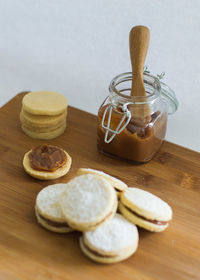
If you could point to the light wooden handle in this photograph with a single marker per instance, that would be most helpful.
(139, 42)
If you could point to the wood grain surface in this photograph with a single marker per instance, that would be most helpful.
(27, 251)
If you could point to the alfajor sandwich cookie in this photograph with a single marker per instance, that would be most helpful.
(47, 209)
(145, 209)
(88, 201)
(118, 185)
(47, 162)
(111, 242)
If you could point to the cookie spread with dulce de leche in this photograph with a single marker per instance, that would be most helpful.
(47, 158)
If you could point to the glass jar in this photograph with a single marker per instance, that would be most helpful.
(131, 127)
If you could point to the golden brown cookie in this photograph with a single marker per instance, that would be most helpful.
(46, 175)
(44, 103)
(47, 129)
(41, 120)
(44, 135)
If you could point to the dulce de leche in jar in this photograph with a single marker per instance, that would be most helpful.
(121, 132)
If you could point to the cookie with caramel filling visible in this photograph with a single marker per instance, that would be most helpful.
(46, 162)
(111, 242)
(47, 209)
(144, 209)
(47, 158)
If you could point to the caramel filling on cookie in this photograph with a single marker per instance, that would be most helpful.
(47, 158)
(100, 222)
(156, 222)
(52, 223)
(97, 253)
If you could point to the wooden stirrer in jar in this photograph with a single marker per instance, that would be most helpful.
(139, 42)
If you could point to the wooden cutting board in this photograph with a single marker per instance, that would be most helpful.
(28, 251)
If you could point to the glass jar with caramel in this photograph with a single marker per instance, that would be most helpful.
(132, 127)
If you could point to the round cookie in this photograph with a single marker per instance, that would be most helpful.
(41, 120)
(45, 175)
(103, 259)
(37, 129)
(44, 103)
(140, 222)
(47, 209)
(116, 183)
(145, 209)
(88, 202)
(111, 242)
(44, 135)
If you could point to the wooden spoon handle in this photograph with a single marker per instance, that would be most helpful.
(139, 42)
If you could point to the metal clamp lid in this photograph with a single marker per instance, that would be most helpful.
(120, 127)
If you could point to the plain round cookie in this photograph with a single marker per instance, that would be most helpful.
(44, 103)
(45, 175)
(139, 221)
(44, 135)
(88, 201)
(41, 121)
(146, 204)
(47, 205)
(48, 129)
(116, 183)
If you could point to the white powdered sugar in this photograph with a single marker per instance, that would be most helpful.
(47, 201)
(148, 202)
(115, 235)
(87, 198)
(118, 184)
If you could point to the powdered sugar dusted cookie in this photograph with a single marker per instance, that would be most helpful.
(47, 209)
(116, 183)
(111, 242)
(145, 209)
(88, 201)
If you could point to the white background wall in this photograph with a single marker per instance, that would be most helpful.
(77, 47)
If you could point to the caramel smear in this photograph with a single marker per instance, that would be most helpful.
(47, 158)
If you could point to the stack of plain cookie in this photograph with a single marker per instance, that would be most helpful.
(43, 114)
